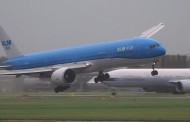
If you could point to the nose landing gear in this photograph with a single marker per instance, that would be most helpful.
(154, 72)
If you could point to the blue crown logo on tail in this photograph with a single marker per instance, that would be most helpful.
(6, 44)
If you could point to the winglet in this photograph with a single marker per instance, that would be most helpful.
(150, 32)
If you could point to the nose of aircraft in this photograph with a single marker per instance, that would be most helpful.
(162, 50)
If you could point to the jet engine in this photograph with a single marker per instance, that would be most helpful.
(176, 87)
(182, 86)
(63, 77)
(160, 89)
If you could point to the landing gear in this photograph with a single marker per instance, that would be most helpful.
(154, 72)
(101, 77)
(61, 88)
(113, 93)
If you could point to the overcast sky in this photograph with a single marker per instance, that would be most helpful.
(37, 25)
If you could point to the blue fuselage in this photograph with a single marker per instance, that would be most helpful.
(136, 48)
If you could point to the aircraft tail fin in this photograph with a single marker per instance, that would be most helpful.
(8, 45)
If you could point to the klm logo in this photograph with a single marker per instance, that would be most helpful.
(6, 44)
(127, 48)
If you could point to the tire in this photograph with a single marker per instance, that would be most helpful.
(96, 80)
(155, 72)
(107, 76)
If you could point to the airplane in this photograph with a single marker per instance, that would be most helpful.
(175, 81)
(63, 65)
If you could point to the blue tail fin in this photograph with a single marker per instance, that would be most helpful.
(9, 47)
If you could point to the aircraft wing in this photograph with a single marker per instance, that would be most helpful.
(5, 67)
(25, 71)
(76, 66)
(150, 32)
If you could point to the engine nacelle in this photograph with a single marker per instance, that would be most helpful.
(63, 76)
(182, 86)
(159, 89)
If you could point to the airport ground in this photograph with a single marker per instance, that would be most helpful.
(94, 106)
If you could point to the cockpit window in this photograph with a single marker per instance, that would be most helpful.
(154, 45)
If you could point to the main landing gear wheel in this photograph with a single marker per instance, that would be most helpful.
(61, 88)
(96, 80)
(101, 77)
(113, 93)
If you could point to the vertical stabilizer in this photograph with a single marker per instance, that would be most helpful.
(8, 45)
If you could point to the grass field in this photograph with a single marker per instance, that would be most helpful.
(94, 106)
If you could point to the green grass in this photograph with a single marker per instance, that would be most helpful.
(102, 107)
